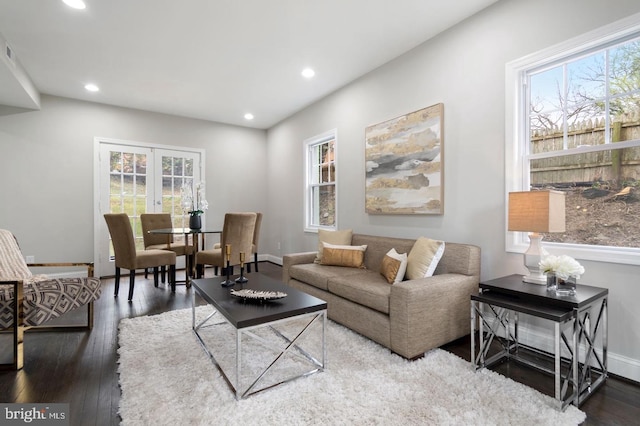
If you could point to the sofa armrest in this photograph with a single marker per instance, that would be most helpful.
(289, 260)
(429, 312)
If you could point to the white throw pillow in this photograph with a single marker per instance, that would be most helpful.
(394, 266)
(423, 258)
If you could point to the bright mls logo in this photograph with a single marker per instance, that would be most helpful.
(36, 414)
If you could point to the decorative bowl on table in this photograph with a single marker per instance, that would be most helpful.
(260, 295)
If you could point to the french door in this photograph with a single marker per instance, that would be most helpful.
(136, 178)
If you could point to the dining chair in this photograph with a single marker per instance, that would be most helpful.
(128, 257)
(237, 232)
(151, 221)
(254, 243)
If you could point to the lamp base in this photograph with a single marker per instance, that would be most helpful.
(532, 258)
(535, 279)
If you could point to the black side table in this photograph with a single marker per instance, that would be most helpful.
(495, 311)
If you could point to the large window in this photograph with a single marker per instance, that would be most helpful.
(574, 126)
(320, 189)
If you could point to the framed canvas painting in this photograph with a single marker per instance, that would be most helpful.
(404, 164)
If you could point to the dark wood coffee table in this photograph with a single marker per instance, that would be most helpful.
(245, 316)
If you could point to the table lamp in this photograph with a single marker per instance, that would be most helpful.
(536, 212)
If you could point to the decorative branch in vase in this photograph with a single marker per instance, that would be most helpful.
(193, 202)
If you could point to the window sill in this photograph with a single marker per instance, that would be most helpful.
(619, 255)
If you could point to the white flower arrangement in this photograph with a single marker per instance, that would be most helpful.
(563, 266)
(193, 200)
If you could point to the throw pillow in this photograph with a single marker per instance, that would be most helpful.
(423, 258)
(12, 264)
(332, 237)
(394, 266)
(341, 255)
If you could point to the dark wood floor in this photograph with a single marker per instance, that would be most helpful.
(80, 368)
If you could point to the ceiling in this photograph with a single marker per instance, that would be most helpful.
(209, 59)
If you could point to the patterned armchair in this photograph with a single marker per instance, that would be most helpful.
(28, 301)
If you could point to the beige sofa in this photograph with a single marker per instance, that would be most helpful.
(410, 317)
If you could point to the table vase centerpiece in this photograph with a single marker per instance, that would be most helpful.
(194, 203)
(562, 273)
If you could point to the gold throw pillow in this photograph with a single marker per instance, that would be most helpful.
(341, 255)
(394, 266)
(332, 237)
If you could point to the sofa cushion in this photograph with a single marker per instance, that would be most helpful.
(423, 258)
(378, 247)
(332, 237)
(318, 275)
(365, 287)
(340, 255)
(394, 266)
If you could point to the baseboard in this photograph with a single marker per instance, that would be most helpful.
(270, 258)
(619, 365)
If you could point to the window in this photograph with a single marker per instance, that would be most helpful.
(320, 188)
(135, 178)
(178, 169)
(574, 126)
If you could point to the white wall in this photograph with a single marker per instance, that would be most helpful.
(47, 163)
(464, 69)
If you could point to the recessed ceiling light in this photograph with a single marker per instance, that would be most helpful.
(76, 4)
(308, 73)
(91, 87)
(248, 116)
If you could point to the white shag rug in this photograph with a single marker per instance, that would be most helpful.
(166, 378)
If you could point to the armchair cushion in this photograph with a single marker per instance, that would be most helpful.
(48, 299)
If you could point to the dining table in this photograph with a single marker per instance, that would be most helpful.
(196, 243)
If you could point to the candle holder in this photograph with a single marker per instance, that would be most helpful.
(228, 282)
(241, 279)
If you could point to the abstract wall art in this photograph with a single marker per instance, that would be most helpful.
(404, 164)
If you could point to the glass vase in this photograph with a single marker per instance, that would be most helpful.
(566, 287)
(551, 281)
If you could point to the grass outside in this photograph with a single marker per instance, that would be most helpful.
(127, 197)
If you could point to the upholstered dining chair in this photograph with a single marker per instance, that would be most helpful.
(128, 257)
(151, 221)
(254, 243)
(237, 232)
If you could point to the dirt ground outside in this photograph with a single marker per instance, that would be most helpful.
(597, 216)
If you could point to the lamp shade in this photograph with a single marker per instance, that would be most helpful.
(537, 211)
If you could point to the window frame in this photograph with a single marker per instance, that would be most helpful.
(309, 143)
(517, 127)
